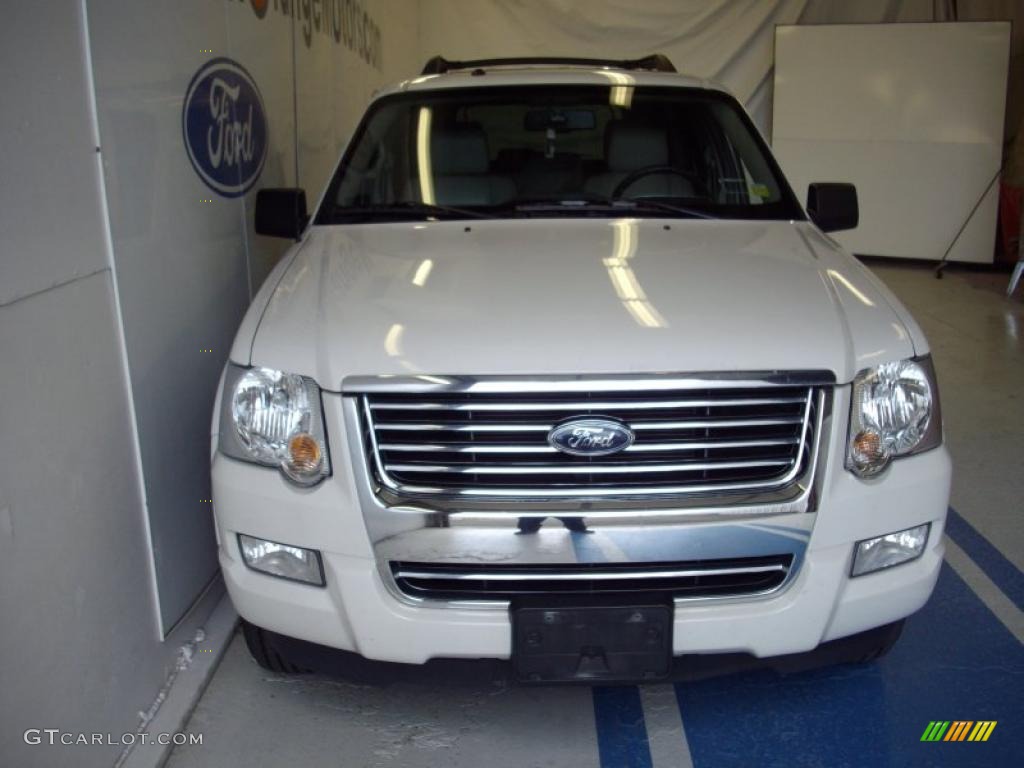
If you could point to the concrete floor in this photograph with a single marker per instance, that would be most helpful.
(959, 658)
(977, 340)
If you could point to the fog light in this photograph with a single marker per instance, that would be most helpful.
(282, 560)
(886, 551)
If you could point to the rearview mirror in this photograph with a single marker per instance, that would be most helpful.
(281, 212)
(562, 120)
(833, 207)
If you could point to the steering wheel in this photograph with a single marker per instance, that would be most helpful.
(640, 173)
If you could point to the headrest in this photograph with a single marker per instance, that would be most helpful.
(629, 147)
(459, 151)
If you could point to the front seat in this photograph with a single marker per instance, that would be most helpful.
(461, 164)
(628, 148)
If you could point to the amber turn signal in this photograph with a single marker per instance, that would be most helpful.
(304, 459)
(867, 445)
(868, 453)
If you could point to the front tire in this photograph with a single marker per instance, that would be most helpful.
(876, 643)
(268, 653)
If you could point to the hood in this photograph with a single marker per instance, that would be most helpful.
(575, 296)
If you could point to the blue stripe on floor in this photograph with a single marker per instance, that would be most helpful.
(621, 732)
(995, 565)
(618, 710)
(955, 661)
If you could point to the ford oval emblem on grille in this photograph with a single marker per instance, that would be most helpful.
(590, 437)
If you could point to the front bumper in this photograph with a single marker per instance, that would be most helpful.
(357, 612)
(360, 610)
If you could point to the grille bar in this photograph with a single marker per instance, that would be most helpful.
(584, 405)
(541, 449)
(546, 427)
(694, 441)
(578, 469)
(695, 579)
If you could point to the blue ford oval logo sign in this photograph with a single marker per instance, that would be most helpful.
(225, 127)
(590, 437)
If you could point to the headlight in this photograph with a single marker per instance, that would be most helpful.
(895, 412)
(274, 418)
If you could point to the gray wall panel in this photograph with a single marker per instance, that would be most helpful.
(186, 257)
(46, 136)
(181, 267)
(78, 636)
(264, 47)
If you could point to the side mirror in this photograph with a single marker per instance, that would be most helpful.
(281, 212)
(833, 206)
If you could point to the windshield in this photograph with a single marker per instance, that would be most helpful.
(513, 152)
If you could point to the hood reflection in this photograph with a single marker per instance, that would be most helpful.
(624, 279)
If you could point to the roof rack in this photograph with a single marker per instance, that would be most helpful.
(656, 62)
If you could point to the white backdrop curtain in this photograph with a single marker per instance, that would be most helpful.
(728, 41)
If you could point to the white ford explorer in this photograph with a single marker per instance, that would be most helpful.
(560, 371)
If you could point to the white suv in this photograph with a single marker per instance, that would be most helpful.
(560, 372)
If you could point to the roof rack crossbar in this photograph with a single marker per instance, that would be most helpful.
(656, 62)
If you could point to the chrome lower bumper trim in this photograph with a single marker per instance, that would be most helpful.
(656, 573)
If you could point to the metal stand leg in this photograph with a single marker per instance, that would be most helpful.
(1019, 269)
(1015, 277)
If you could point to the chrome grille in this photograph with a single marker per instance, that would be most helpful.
(688, 441)
(679, 580)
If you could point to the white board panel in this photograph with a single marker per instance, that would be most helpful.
(910, 113)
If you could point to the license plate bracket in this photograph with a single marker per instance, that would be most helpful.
(592, 643)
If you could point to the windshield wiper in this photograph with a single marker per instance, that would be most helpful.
(408, 207)
(576, 202)
(661, 206)
(590, 203)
